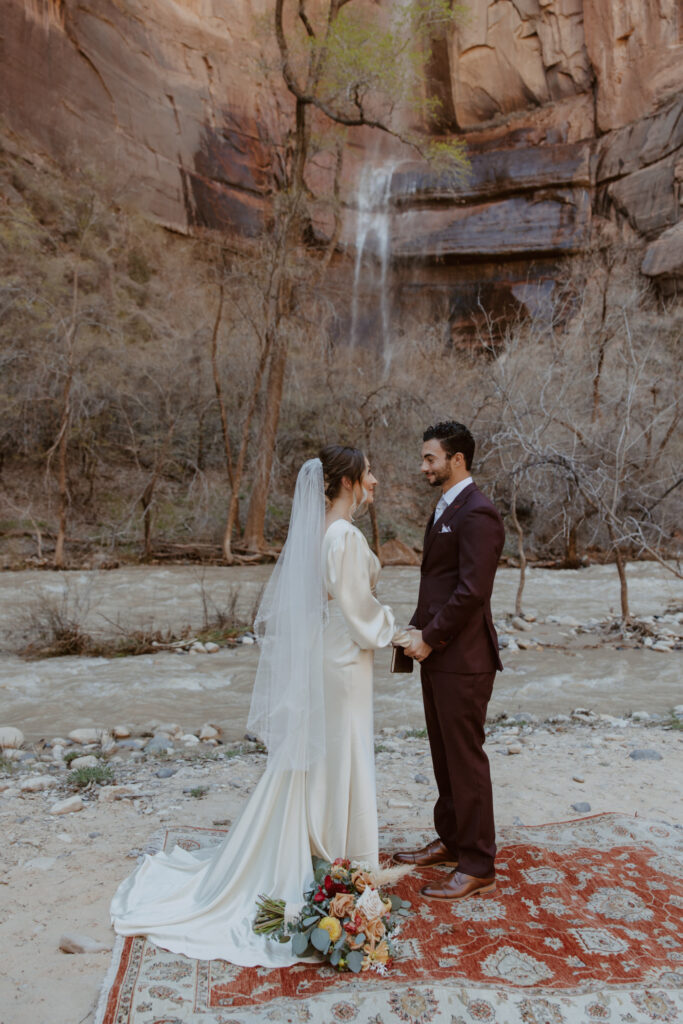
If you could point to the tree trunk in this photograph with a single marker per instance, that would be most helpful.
(254, 536)
(620, 561)
(375, 529)
(571, 557)
(521, 552)
(62, 476)
(227, 448)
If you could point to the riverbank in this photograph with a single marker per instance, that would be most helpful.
(59, 870)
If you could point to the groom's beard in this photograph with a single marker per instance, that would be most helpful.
(436, 479)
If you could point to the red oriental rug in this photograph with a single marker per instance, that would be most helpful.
(585, 926)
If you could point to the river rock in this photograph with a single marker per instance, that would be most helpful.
(198, 648)
(514, 748)
(121, 732)
(165, 773)
(395, 552)
(37, 783)
(189, 739)
(210, 732)
(68, 806)
(109, 794)
(10, 737)
(521, 624)
(159, 744)
(645, 755)
(640, 716)
(87, 761)
(85, 736)
(678, 711)
(211, 647)
(582, 807)
(71, 942)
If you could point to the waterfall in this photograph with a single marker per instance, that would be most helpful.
(373, 248)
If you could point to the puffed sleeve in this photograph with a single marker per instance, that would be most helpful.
(347, 567)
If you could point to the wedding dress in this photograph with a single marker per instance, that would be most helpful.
(202, 904)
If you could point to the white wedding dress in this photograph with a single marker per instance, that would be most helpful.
(202, 904)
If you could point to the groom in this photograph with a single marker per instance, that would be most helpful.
(457, 647)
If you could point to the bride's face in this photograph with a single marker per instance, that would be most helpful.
(367, 485)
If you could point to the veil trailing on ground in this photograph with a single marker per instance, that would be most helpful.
(287, 705)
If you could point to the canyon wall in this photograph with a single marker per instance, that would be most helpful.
(572, 111)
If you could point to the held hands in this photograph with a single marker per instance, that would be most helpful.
(417, 648)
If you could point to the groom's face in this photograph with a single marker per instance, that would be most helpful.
(436, 463)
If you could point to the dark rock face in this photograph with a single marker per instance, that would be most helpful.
(586, 99)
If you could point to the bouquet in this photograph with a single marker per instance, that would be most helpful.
(346, 917)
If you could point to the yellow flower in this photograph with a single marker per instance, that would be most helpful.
(379, 955)
(332, 926)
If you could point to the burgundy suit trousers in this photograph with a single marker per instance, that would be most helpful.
(455, 711)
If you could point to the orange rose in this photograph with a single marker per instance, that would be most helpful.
(360, 879)
(342, 905)
(374, 930)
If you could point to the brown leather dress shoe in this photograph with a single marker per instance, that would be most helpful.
(459, 886)
(432, 853)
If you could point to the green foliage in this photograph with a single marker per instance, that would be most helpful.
(198, 792)
(99, 775)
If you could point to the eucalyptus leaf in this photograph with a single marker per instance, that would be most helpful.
(355, 961)
(335, 957)
(360, 938)
(308, 921)
(320, 939)
(396, 902)
(340, 942)
(405, 903)
(299, 944)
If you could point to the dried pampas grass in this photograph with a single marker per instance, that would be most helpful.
(390, 875)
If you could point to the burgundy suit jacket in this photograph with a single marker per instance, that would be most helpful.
(459, 562)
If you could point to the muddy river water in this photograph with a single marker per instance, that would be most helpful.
(50, 697)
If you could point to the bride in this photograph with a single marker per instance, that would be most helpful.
(312, 706)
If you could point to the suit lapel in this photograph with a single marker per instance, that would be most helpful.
(433, 529)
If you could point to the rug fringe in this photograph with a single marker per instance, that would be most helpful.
(109, 979)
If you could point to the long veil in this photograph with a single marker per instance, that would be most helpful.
(287, 705)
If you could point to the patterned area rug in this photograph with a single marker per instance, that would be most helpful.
(585, 926)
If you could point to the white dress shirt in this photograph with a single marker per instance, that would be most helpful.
(450, 495)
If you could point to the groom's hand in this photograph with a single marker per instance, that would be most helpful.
(417, 648)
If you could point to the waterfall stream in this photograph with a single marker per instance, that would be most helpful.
(373, 250)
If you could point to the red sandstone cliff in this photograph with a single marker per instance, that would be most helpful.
(573, 111)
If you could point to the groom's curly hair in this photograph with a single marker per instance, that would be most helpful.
(338, 461)
(453, 437)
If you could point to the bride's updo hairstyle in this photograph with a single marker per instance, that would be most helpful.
(340, 461)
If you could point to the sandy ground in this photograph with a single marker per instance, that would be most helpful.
(57, 873)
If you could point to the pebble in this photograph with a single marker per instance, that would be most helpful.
(71, 942)
(189, 739)
(640, 716)
(58, 752)
(198, 648)
(211, 647)
(249, 640)
(422, 779)
(121, 732)
(662, 645)
(678, 711)
(512, 646)
(84, 736)
(399, 803)
(165, 773)
(581, 808)
(577, 778)
(68, 806)
(38, 783)
(514, 748)
(158, 744)
(521, 625)
(87, 761)
(10, 737)
(645, 755)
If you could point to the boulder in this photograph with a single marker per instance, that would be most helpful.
(37, 783)
(664, 257)
(85, 736)
(11, 738)
(87, 761)
(395, 552)
(68, 806)
(210, 732)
